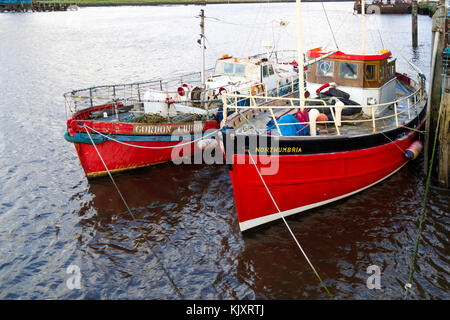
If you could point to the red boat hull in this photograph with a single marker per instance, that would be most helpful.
(305, 181)
(119, 157)
(123, 146)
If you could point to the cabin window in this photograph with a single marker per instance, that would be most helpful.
(325, 68)
(391, 70)
(265, 71)
(228, 68)
(348, 70)
(271, 70)
(240, 69)
(382, 66)
(219, 67)
(371, 72)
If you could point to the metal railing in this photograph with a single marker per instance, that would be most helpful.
(234, 101)
(81, 99)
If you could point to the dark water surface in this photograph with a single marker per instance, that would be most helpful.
(52, 217)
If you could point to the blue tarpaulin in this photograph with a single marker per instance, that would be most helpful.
(292, 129)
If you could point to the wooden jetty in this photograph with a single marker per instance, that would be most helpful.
(438, 113)
(34, 6)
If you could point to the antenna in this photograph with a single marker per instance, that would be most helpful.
(363, 26)
(301, 68)
(202, 43)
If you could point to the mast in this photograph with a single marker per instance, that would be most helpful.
(301, 77)
(202, 43)
(363, 26)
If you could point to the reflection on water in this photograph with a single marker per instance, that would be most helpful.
(52, 216)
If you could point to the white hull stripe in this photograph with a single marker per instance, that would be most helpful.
(271, 217)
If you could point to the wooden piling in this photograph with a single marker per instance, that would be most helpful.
(444, 143)
(439, 88)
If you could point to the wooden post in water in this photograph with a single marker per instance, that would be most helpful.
(444, 122)
(444, 142)
(438, 89)
(414, 22)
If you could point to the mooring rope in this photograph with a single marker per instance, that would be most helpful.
(393, 142)
(412, 129)
(290, 231)
(145, 147)
(178, 291)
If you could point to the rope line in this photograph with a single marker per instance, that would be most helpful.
(395, 144)
(178, 291)
(290, 231)
(412, 129)
(145, 147)
(329, 25)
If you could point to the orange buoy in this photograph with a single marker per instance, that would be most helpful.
(322, 118)
(413, 151)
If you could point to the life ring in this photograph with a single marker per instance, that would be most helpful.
(326, 85)
(181, 91)
(185, 88)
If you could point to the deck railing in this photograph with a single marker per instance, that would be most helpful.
(78, 100)
(238, 102)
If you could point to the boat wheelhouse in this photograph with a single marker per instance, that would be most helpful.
(367, 79)
(255, 74)
(252, 74)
